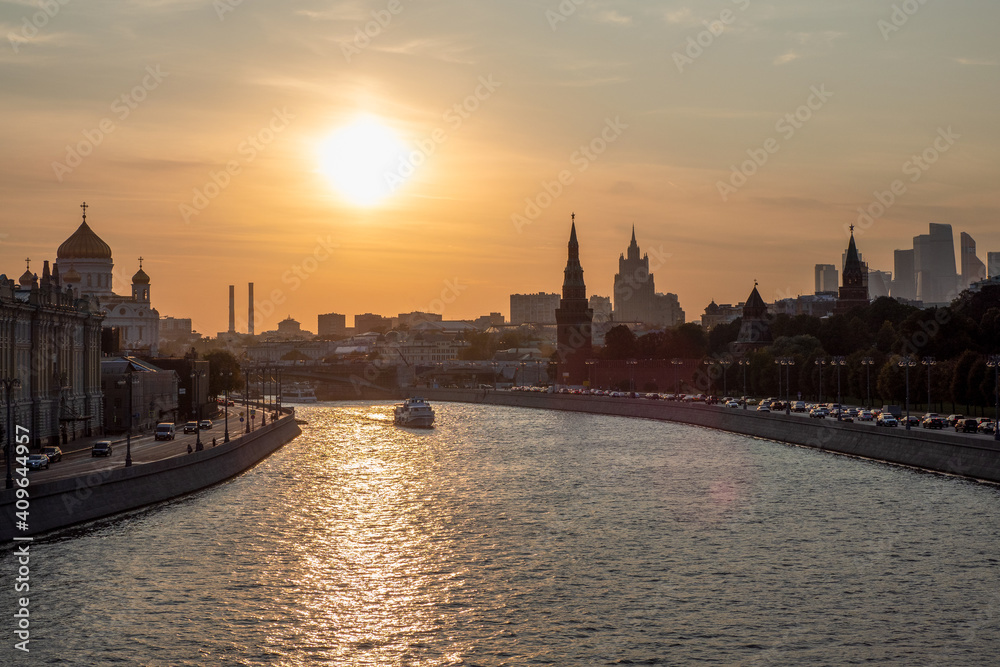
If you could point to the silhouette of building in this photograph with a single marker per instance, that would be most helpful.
(85, 262)
(904, 281)
(574, 319)
(601, 305)
(370, 322)
(827, 279)
(854, 290)
(934, 266)
(715, 314)
(537, 308)
(879, 284)
(755, 327)
(636, 299)
(331, 324)
(973, 269)
(993, 264)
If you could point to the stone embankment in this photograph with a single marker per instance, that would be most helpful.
(945, 452)
(65, 502)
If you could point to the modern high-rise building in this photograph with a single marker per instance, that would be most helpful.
(973, 269)
(827, 279)
(636, 299)
(537, 308)
(904, 283)
(574, 319)
(879, 284)
(993, 264)
(934, 266)
(601, 305)
(854, 290)
(370, 322)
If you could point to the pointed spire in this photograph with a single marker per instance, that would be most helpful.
(633, 235)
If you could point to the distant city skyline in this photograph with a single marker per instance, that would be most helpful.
(347, 164)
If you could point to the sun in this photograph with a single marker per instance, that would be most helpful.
(362, 161)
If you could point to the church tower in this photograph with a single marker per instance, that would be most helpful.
(574, 319)
(755, 327)
(854, 290)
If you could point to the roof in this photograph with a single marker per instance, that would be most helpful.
(84, 244)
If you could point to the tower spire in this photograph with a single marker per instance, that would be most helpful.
(84, 207)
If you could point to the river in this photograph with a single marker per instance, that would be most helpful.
(510, 536)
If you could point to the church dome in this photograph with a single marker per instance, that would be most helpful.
(84, 244)
(71, 276)
(140, 277)
(26, 279)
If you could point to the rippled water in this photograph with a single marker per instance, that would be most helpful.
(515, 537)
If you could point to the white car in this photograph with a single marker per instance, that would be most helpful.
(733, 404)
(763, 407)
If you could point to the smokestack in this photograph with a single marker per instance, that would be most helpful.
(232, 309)
(250, 312)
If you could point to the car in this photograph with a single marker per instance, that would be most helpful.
(191, 427)
(733, 404)
(763, 407)
(799, 406)
(205, 424)
(865, 416)
(54, 454)
(38, 462)
(913, 420)
(886, 420)
(987, 426)
(818, 413)
(966, 426)
(101, 448)
(165, 431)
(933, 422)
(954, 419)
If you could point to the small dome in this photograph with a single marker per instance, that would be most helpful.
(140, 277)
(71, 276)
(26, 279)
(84, 244)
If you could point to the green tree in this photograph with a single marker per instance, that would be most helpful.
(223, 371)
(619, 343)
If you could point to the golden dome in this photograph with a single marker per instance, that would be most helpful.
(140, 277)
(84, 244)
(71, 276)
(26, 279)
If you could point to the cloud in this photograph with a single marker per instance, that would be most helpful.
(612, 16)
(975, 62)
(786, 58)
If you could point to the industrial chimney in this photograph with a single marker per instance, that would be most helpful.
(232, 309)
(250, 312)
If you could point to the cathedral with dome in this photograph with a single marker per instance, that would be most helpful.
(85, 264)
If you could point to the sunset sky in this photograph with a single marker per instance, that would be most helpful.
(204, 137)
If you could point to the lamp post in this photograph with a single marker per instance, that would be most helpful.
(8, 385)
(494, 364)
(778, 362)
(228, 374)
(197, 406)
(820, 363)
(906, 363)
(867, 363)
(838, 362)
(744, 362)
(246, 397)
(631, 374)
(928, 361)
(675, 362)
(590, 371)
(726, 363)
(128, 433)
(277, 391)
(993, 362)
(263, 395)
(786, 363)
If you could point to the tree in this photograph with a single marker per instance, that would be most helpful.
(619, 343)
(220, 364)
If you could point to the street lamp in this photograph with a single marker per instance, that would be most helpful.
(744, 362)
(590, 371)
(778, 362)
(8, 385)
(786, 363)
(128, 434)
(867, 363)
(263, 395)
(197, 406)
(820, 363)
(228, 374)
(838, 362)
(677, 375)
(494, 364)
(631, 374)
(246, 397)
(907, 363)
(993, 362)
(726, 363)
(928, 361)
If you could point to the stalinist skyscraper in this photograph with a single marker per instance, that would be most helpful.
(573, 319)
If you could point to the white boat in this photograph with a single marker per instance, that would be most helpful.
(414, 412)
(298, 392)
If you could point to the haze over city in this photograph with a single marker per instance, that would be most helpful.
(374, 156)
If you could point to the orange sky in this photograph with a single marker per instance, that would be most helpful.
(164, 94)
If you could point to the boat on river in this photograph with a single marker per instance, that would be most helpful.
(298, 392)
(414, 412)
